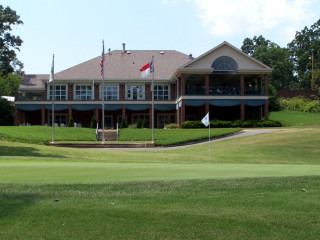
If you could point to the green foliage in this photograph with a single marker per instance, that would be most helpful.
(9, 84)
(274, 56)
(139, 123)
(232, 124)
(6, 113)
(71, 122)
(300, 104)
(274, 103)
(123, 123)
(301, 50)
(171, 126)
(93, 123)
(9, 42)
(42, 135)
(145, 123)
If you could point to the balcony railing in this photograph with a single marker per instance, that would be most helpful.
(225, 90)
(195, 90)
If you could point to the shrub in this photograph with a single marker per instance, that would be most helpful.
(145, 123)
(132, 126)
(139, 123)
(123, 123)
(93, 123)
(171, 126)
(71, 122)
(300, 104)
(232, 124)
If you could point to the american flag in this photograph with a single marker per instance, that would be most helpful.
(102, 59)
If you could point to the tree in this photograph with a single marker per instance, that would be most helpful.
(300, 50)
(93, 123)
(9, 43)
(271, 54)
(123, 123)
(71, 122)
(9, 84)
(139, 122)
(6, 110)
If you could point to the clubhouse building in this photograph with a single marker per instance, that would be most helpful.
(223, 81)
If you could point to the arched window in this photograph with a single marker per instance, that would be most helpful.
(224, 65)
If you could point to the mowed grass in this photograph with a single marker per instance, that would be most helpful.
(247, 208)
(295, 118)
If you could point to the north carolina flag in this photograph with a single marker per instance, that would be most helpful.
(146, 69)
(206, 120)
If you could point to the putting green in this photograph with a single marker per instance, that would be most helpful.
(61, 172)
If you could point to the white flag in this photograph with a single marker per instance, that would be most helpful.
(206, 120)
(52, 70)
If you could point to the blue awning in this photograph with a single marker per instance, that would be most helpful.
(254, 102)
(29, 107)
(225, 102)
(111, 107)
(137, 107)
(83, 107)
(195, 102)
(57, 107)
(164, 107)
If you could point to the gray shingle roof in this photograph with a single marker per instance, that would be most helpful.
(33, 81)
(119, 65)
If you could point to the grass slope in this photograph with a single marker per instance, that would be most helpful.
(260, 208)
(295, 118)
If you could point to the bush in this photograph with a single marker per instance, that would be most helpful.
(123, 123)
(300, 104)
(139, 123)
(93, 123)
(274, 103)
(71, 122)
(145, 123)
(171, 126)
(6, 110)
(232, 124)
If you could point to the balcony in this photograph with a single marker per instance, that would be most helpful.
(225, 90)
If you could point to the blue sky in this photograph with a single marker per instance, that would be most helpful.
(73, 29)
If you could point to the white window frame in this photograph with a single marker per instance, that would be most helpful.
(55, 92)
(88, 97)
(106, 92)
(156, 91)
(140, 91)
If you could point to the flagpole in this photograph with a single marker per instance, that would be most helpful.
(152, 90)
(209, 138)
(53, 95)
(102, 59)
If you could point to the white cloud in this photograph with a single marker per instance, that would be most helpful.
(229, 18)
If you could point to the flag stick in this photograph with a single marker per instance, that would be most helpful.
(209, 141)
(53, 95)
(152, 89)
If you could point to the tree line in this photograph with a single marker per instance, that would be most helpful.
(292, 65)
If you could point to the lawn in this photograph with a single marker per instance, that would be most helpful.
(295, 118)
(265, 186)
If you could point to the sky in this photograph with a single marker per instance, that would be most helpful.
(73, 30)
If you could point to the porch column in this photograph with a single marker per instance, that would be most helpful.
(43, 114)
(183, 111)
(177, 114)
(242, 85)
(69, 112)
(178, 85)
(183, 84)
(124, 111)
(266, 109)
(122, 90)
(207, 106)
(242, 110)
(96, 92)
(70, 91)
(266, 83)
(16, 116)
(207, 85)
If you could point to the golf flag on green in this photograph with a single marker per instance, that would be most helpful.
(206, 120)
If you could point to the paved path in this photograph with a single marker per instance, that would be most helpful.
(243, 133)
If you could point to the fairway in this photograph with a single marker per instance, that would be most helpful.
(49, 173)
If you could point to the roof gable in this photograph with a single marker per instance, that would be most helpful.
(244, 62)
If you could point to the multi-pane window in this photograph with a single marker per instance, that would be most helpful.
(161, 92)
(83, 92)
(135, 92)
(111, 92)
(58, 118)
(60, 92)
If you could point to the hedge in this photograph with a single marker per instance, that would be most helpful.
(232, 124)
